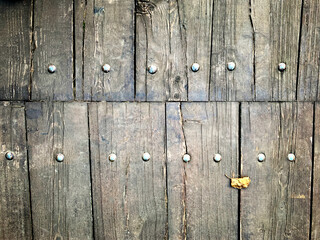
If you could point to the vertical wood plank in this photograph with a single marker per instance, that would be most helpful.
(15, 211)
(201, 203)
(129, 194)
(15, 18)
(232, 41)
(109, 39)
(308, 80)
(61, 191)
(53, 39)
(277, 29)
(278, 199)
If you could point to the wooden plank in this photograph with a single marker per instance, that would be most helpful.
(277, 28)
(201, 203)
(232, 41)
(53, 39)
(129, 195)
(61, 191)
(15, 210)
(15, 18)
(277, 203)
(109, 39)
(308, 80)
(315, 220)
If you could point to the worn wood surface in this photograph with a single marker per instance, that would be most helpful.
(129, 194)
(60, 191)
(201, 203)
(277, 203)
(15, 210)
(276, 26)
(52, 44)
(108, 39)
(308, 80)
(15, 32)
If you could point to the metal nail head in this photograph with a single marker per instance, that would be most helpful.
(112, 157)
(282, 67)
(195, 67)
(106, 68)
(146, 156)
(52, 68)
(231, 66)
(186, 158)
(291, 157)
(9, 155)
(217, 157)
(60, 157)
(261, 157)
(152, 69)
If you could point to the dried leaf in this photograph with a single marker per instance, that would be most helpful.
(240, 183)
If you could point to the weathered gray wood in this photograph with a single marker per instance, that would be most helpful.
(277, 203)
(308, 80)
(315, 221)
(15, 211)
(201, 203)
(232, 41)
(15, 18)
(53, 42)
(61, 191)
(129, 195)
(108, 39)
(277, 28)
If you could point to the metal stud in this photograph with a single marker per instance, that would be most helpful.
(217, 157)
(146, 156)
(9, 155)
(261, 157)
(195, 67)
(112, 157)
(282, 67)
(291, 157)
(52, 68)
(231, 66)
(152, 69)
(60, 157)
(106, 68)
(186, 158)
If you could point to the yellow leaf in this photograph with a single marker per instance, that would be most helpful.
(240, 183)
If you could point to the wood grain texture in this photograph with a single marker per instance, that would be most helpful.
(129, 194)
(53, 43)
(108, 39)
(15, 18)
(60, 191)
(276, 27)
(277, 203)
(232, 41)
(15, 210)
(308, 80)
(201, 203)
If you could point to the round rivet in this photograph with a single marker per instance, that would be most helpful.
(261, 157)
(9, 155)
(282, 67)
(217, 157)
(195, 67)
(112, 157)
(186, 157)
(60, 157)
(231, 66)
(106, 68)
(52, 68)
(291, 157)
(152, 69)
(146, 156)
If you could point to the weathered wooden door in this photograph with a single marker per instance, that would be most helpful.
(125, 119)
